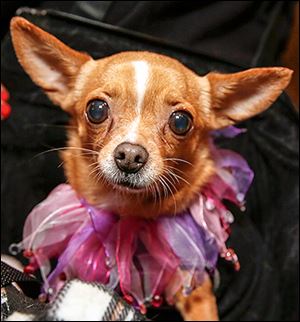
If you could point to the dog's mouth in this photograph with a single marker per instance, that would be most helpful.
(130, 183)
(129, 186)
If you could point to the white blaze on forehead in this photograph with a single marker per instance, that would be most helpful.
(141, 75)
(141, 72)
(133, 130)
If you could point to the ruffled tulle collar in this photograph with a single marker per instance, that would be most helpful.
(146, 260)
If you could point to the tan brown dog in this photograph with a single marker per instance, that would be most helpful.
(138, 144)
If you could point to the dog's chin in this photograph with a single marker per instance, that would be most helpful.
(128, 187)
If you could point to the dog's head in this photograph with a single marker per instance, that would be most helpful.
(140, 121)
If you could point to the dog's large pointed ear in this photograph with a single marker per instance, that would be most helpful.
(230, 98)
(51, 64)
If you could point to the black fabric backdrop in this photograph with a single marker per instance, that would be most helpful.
(266, 236)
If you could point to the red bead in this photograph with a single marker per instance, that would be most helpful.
(143, 309)
(5, 110)
(27, 253)
(4, 93)
(128, 298)
(157, 301)
(29, 269)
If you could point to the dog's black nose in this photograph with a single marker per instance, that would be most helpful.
(130, 158)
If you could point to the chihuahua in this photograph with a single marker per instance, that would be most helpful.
(139, 140)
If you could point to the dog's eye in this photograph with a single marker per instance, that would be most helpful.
(180, 122)
(97, 111)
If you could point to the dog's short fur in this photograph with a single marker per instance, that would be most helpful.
(142, 90)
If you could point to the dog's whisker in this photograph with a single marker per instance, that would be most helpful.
(61, 164)
(93, 164)
(95, 146)
(178, 177)
(176, 160)
(174, 179)
(94, 171)
(156, 186)
(174, 168)
(100, 177)
(152, 192)
(67, 148)
(156, 192)
(163, 178)
(97, 174)
(170, 182)
(163, 184)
